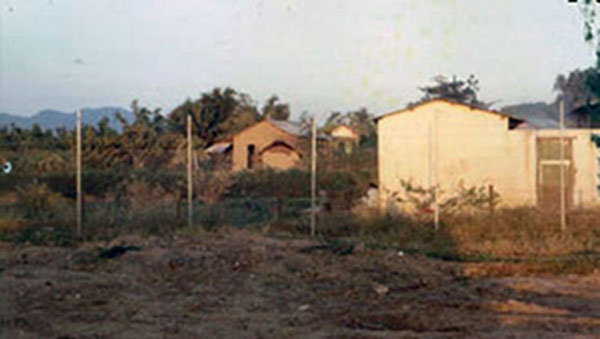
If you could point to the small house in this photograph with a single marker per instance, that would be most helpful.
(344, 138)
(268, 143)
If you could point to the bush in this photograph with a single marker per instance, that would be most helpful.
(464, 200)
(343, 188)
(47, 236)
(270, 183)
(63, 183)
(9, 182)
(39, 203)
(338, 224)
(210, 185)
(212, 217)
(95, 182)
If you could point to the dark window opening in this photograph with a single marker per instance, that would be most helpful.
(250, 155)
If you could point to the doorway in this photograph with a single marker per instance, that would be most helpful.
(250, 157)
(548, 172)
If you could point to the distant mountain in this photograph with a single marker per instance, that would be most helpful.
(51, 119)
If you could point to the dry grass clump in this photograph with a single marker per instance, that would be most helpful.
(381, 231)
(525, 232)
(513, 234)
(11, 223)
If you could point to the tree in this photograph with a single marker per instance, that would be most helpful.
(592, 35)
(215, 114)
(591, 28)
(305, 121)
(334, 119)
(575, 88)
(101, 146)
(273, 109)
(463, 91)
(37, 134)
(139, 140)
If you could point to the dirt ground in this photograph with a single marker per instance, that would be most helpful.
(244, 285)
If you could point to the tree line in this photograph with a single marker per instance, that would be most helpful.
(153, 138)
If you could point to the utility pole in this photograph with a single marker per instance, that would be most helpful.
(78, 174)
(313, 179)
(189, 170)
(563, 217)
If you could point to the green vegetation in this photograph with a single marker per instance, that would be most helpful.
(134, 183)
(590, 77)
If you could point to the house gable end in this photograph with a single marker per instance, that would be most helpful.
(451, 106)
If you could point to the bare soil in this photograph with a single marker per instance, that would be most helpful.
(244, 285)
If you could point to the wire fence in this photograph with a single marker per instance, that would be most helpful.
(132, 183)
(141, 184)
(127, 198)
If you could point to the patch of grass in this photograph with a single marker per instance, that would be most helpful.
(515, 235)
(11, 222)
(577, 263)
(524, 232)
(46, 236)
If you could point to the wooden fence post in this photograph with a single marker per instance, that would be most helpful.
(78, 174)
(491, 199)
(189, 171)
(313, 179)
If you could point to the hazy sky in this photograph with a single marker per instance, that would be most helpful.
(319, 55)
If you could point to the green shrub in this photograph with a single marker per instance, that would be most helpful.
(270, 183)
(211, 217)
(343, 188)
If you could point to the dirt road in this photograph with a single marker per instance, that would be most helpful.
(243, 285)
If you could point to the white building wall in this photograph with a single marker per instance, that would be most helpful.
(452, 145)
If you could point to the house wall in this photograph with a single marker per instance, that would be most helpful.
(453, 145)
(344, 132)
(260, 135)
(280, 157)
